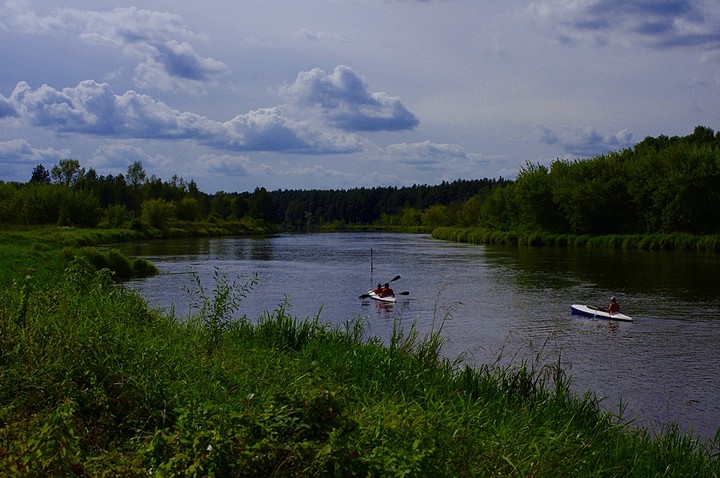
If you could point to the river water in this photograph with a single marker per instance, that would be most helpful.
(494, 303)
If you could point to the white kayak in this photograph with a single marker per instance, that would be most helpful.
(587, 311)
(374, 296)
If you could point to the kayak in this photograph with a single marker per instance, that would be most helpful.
(374, 296)
(587, 311)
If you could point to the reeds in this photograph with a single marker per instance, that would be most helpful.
(649, 242)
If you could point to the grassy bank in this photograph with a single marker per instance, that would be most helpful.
(650, 242)
(94, 383)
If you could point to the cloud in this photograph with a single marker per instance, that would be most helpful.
(175, 65)
(426, 152)
(584, 142)
(225, 164)
(92, 108)
(19, 150)
(343, 100)
(121, 155)
(656, 24)
(7, 110)
(154, 38)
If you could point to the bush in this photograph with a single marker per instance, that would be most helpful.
(157, 212)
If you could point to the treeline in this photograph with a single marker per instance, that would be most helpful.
(662, 185)
(70, 195)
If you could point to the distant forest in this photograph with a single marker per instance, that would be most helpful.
(663, 184)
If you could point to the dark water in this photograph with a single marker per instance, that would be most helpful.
(492, 302)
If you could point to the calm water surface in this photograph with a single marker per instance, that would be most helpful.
(492, 302)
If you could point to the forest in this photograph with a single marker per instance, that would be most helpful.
(661, 185)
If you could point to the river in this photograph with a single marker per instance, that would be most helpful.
(494, 303)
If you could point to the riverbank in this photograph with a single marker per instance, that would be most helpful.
(95, 383)
(649, 242)
(25, 247)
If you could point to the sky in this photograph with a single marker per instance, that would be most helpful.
(342, 94)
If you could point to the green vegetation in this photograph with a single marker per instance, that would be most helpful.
(95, 383)
(648, 242)
(72, 196)
(662, 185)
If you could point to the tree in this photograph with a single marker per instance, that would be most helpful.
(187, 209)
(157, 212)
(136, 175)
(261, 206)
(437, 215)
(135, 179)
(67, 172)
(40, 175)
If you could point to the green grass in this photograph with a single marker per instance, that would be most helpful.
(650, 242)
(95, 383)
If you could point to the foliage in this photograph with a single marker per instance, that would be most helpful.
(40, 175)
(84, 198)
(648, 242)
(157, 212)
(662, 185)
(67, 172)
(121, 267)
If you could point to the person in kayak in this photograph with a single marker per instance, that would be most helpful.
(614, 307)
(387, 291)
(378, 290)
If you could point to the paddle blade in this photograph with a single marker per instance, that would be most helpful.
(394, 278)
(364, 296)
(404, 293)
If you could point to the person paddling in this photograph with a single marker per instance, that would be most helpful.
(387, 291)
(614, 307)
(378, 290)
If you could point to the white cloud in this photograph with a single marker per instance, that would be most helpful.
(92, 108)
(343, 99)
(584, 142)
(19, 150)
(154, 38)
(118, 156)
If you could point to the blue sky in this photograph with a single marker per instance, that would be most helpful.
(338, 94)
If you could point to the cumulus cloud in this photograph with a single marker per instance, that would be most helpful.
(121, 155)
(584, 142)
(158, 40)
(93, 108)
(653, 23)
(19, 150)
(6, 108)
(344, 100)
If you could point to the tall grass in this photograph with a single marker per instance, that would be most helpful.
(95, 383)
(650, 242)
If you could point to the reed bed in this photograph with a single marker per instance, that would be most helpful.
(649, 242)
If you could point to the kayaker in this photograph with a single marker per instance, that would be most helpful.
(614, 307)
(378, 290)
(387, 291)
